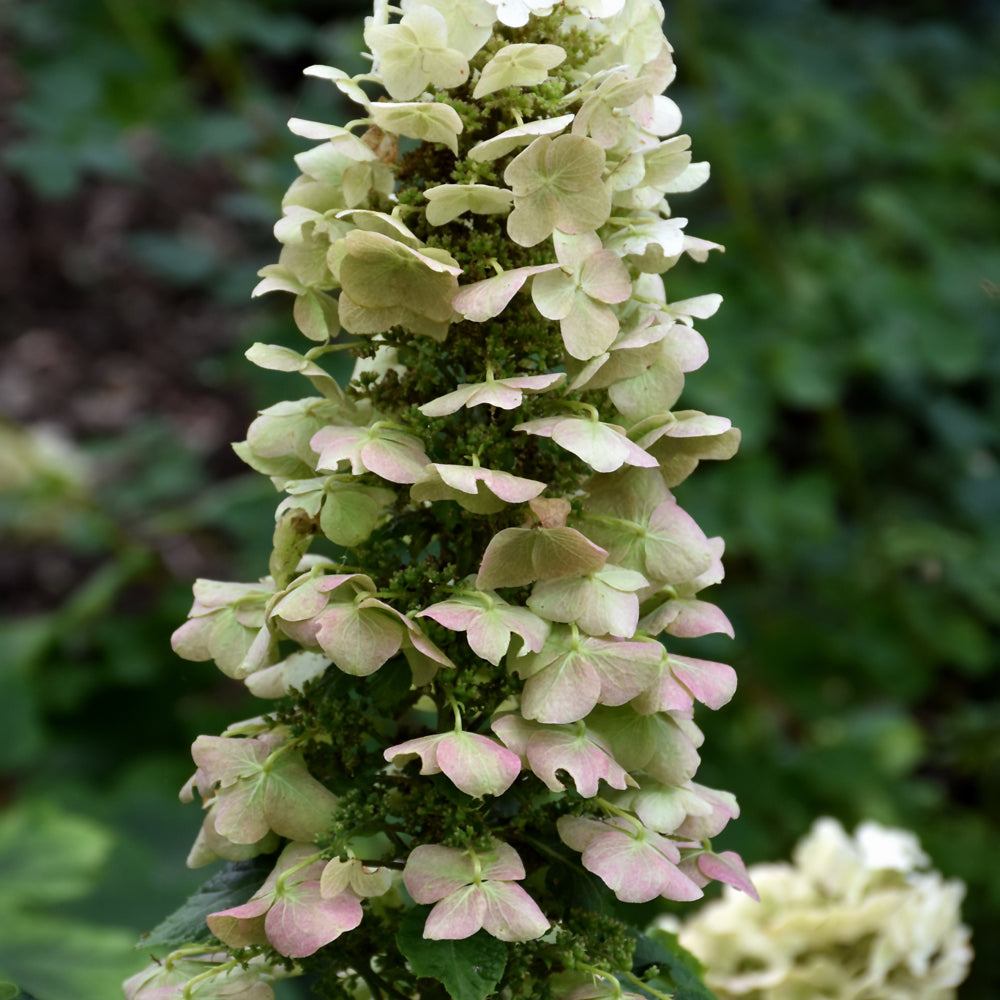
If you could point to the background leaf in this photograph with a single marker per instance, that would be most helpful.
(231, 886)
(678, 969)
(469, 969)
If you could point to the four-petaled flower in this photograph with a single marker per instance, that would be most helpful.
(415, 52)
(472, 891)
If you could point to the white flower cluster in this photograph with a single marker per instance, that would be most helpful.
(849, 919)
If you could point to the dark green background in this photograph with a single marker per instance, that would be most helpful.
(856, 166)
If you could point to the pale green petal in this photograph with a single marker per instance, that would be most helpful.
(557, 184)
(470, 22)
(379, 273)
(521, 65)
(344, 83)
(379, 222)
(500, 145)
(414, 53)
(488, 298)
(449, 201)
(427, 120)
(314, 130)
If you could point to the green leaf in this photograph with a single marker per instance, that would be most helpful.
(578, 888)
(677, 967)
(8, 991)
(390, 685)
(231, 886)
(469, 969)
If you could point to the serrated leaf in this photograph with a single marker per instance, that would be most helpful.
(678, 967)
(469, 968)
(231, 886)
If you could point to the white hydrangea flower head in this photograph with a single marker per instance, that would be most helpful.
(851, 918)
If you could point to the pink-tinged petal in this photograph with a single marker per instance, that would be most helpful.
(604, 277)
(665, 694)
(579, 832)
(301, 921)
(310, 598)
(456, 916)
(664, 807)
(518, 556)
(550, 751)
(424, 747)
(532, 629)
(507, 560)
(687, 618)
(239, 812)
(589, 328)
(564, 691)
(477, 394)
(359, 638)
(339, 444)
(241, 926)
(488, 298)
(452, 615)
(564, 552)
(396, 457)
(599, 609)
(713, 684)
(226, 760)
(505, 393)
(697, 618)
(414, 640)
(476, 765)
(433, 871)
(190, 641)
(723, 807)
(626, 669)
(502, 863)
(511, 914)
(516, 733)
(488, 628)
(510, 488)
(635, 870)
(728, 867)
(604, 447)
(489, 637)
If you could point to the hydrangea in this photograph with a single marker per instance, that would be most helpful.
(480, 743)
(850, 918)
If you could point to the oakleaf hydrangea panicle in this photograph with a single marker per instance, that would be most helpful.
(468, 632)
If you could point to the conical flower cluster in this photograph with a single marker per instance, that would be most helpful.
(478, 733)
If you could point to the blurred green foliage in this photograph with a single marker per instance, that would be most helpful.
(855, 176)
